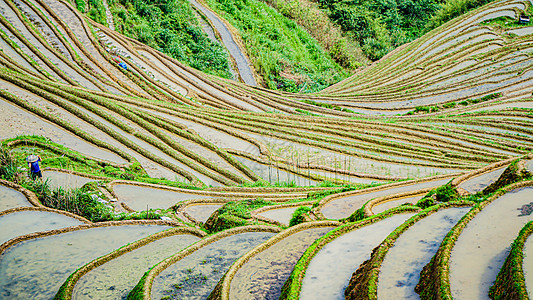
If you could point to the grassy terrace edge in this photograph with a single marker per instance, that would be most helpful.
(510, 283)
(291, 288)
(434, 279)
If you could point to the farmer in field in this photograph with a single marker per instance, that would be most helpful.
(33, 164)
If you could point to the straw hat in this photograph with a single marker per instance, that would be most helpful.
(32, 158)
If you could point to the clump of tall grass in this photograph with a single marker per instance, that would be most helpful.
(299, 215)
(76, 201)
(8, 169)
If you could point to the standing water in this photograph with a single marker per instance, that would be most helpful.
(24, 222)
(35, 269)
(116, 278)
(329, 272)
(484, 243)
(400, 270)
(263, 275)
(196, 275)
(10, 198)
(140, 197)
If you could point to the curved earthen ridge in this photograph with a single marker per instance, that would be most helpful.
(35, 235)
(73, 172)
(379, 200)
(434, 279)
(223, 288)
(32, 198)
(327, 199)
(46, 209)
(25, 142)
(457, 181)
(297, 194)
(65, 292)
(255, 213)
(143, 288)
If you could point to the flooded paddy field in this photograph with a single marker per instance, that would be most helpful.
(453, 101)
(478, 183)
(10, 198)
(329, 272)
(195, 276)
(282, 215)
(383, 206)
(35, 269)
(487, 243)
(343, 207)
(400, 270)
(264, 274)
(65, 180)
(201, 212)
(139, 198)
(116, 278)
(23, 222)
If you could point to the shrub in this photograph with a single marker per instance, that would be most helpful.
(451, 9)
(299, 215)
(76, 201)
(445, 193)
(234, 214)
(287, 57)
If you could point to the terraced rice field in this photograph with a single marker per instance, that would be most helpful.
(359, 156)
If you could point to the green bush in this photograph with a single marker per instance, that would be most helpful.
(426, 202)
(445, 193)
(299, 215)
(8, 168)
(96, 11)
(381, 25)
(234, 214)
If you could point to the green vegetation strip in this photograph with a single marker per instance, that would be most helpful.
(364, 283)
(65, 292)
(143, 289)
(510, 283)
(434, 279)
(291, 288)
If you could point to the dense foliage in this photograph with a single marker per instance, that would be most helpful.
(286, 56)
(382, 25)
(299, 215)
(171, 27)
